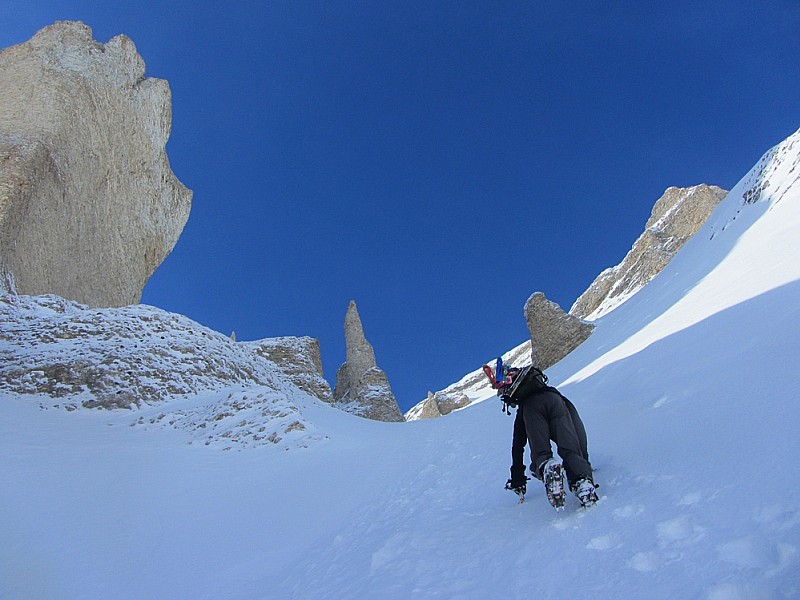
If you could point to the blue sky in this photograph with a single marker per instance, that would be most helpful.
(438, 162)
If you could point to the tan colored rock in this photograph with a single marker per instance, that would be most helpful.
(362, 388)
(675, 218)
(300, 360)
(428, 409)
(450, 401)
(554, 333)
(89, 206)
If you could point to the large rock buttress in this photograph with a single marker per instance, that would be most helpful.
(554, 333)
(362, 388)
(89, 206)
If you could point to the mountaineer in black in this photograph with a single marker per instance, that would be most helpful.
(544, 414)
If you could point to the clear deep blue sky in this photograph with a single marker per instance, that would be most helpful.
(438, 162)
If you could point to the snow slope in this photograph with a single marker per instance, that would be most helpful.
(688, 391)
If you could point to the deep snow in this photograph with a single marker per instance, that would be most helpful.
(688, 391)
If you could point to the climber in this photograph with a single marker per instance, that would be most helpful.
(544, 414)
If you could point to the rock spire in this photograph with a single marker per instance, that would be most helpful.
(362, 387)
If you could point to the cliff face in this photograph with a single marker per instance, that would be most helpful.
(675, 218)
(89, 206)
(299, 360)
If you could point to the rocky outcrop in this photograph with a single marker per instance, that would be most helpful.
(450, 401)
(438, 404)
(554, 333)
(427, 409)
(299, 360)
(362, 388)
(174, 372)
(121, 357)
(675, 218)
(89, 206)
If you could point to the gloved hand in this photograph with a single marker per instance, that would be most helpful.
(518, 486)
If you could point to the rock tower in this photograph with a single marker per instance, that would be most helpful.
(554, 333)
(362, 387)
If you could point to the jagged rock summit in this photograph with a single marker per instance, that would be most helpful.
(675, 218)
(89, 206)
(362, 388)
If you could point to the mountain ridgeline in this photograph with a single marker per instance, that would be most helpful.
(675, 218)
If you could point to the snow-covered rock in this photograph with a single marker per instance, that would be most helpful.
(116, 358)
(362, 387)
(173, 371)
(299, 359)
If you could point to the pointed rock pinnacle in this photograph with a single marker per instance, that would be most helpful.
(362, 388)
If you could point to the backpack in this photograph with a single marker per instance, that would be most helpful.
(529, 381)
(513, 389)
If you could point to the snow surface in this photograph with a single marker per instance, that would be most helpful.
(688, 392)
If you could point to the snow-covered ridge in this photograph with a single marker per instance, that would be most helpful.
(173, 371)
(748, 248)
(116, 358)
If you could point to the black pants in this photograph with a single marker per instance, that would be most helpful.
(550, 416)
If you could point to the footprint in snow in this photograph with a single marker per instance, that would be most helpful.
(758, 552)
(645, 562)
(690, 499)
(679, 530)
(609, 541)
(628, 511)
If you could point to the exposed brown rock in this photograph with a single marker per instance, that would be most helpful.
(554, 333)
(89, 206)
(362, 388)
(675, 218)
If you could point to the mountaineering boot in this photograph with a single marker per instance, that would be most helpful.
(585, 491)
(553, 477)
